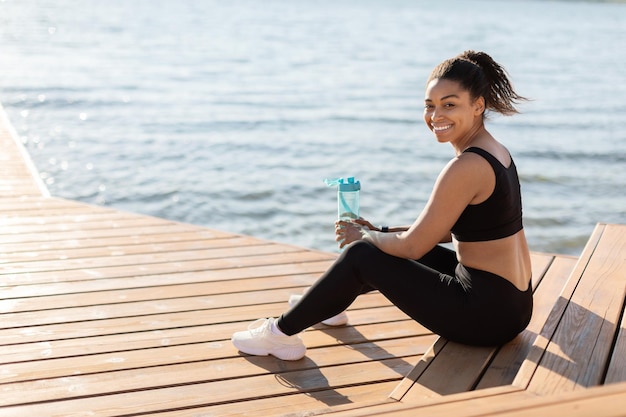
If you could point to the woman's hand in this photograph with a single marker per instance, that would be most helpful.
(347, 232)
(367, 224)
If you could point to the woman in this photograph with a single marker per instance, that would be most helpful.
(478, 294)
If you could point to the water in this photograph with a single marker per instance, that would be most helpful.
(230, 114)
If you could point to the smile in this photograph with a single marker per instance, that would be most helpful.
(441, 128)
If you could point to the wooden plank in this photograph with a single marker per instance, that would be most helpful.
(577, 355)
(212, 270)
(139, 226)
(46, 218)
(467, 363)
(113, 244)
(451, 367)
(105, 223)
(409, 380)
(222, 254)
(178, 299)
(215, 351)
(193, 241)
(174, 286)
(189, 330)
(617, 366)
(127, 325)
(216, 304)
(188, 272)
(143, 226)
(28, 208)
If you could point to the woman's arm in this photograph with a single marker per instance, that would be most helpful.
(369, 225)
(463, 180)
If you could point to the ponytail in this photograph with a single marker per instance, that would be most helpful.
(479, 74)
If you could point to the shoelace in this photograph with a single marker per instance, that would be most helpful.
(258, 326)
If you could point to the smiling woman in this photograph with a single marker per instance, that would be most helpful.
(478, 294)
(448, 106)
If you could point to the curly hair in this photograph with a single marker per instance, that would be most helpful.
(481, 76)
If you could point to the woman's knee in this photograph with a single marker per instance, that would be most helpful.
(361, 249)
(365, 256)
(370, 265)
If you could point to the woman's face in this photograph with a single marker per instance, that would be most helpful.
(449, 111)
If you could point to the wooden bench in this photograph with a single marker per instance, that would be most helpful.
(576, 340)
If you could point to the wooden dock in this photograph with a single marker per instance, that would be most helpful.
(109, 313)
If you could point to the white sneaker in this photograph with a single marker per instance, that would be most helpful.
(261, 341)
(340, 319)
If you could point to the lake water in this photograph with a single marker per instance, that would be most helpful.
(231, 114)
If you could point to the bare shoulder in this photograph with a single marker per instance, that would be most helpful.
(467, 165)
(469, 176)
(462, 176)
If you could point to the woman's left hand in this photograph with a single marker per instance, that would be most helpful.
(347, 232)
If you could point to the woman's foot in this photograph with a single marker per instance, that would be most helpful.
(338, 320)
(260, 340)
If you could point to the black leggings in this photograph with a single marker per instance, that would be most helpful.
(462, 304)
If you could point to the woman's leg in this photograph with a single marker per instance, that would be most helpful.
(419, 290)
(471, 306)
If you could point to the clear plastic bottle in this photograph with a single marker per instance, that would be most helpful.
(347, 197)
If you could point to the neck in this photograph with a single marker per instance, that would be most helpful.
(477, 135)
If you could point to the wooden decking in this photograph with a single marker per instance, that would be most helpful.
(110, 313)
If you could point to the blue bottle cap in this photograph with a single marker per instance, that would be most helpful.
(344, 184)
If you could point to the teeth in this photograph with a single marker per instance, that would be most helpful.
(440, 128)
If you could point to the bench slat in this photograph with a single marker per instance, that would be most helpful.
(617, 366)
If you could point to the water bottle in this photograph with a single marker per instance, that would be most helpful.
(347, 197)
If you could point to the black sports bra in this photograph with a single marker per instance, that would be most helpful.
(498, 216)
